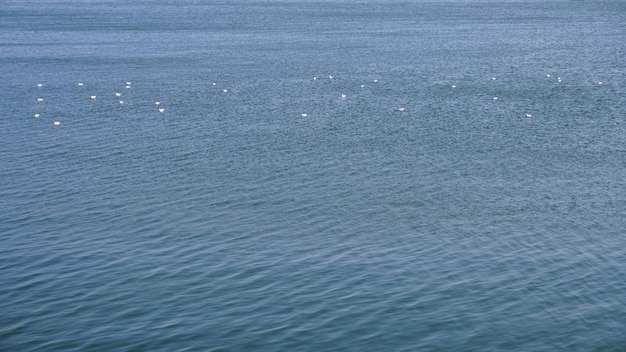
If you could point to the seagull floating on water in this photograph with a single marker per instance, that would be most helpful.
(39, 85)
(118, 94)
(529, 115)
(80, 84)
(93, 97)
(157, 103)
(36, 116)
(304, 115)
(121, 102)
(161, 110)
(401, 109)
(39, 100)
(56, 123)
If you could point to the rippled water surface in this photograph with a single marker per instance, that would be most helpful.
(324, 175)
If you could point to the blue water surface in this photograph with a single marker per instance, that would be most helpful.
(348, 175)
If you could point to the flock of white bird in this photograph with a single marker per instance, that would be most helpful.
(118, 95)
(453, 86)
(161, 109)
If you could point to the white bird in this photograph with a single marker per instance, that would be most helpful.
(128, 83)
(128, 86)
(343, 97)
(315, 78)
(80, 84)
(375, 81)
(453, 86)
(493, 78)
(548, 75)
(304, 115)
(161, 110)
(118, 94)
(330, 77)
(495, 98)
(93, 97)
(39, 100)
(121, 102)
(36, 116)
(214, 84)
(401, 109)
(224, 90)
(362, 85)
(529, 115)
(600, 83)
(39, 85)
(157, 103)
(56, 123)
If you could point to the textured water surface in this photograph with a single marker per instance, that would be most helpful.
(324, 175)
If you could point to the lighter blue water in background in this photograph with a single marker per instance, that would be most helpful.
(229, 222)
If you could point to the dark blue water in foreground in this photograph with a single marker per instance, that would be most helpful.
(230, 222)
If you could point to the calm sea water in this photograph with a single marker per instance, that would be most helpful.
(488, 215)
